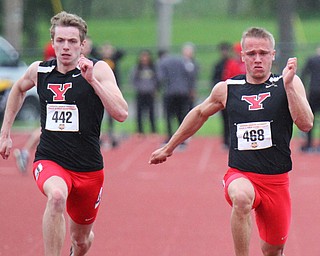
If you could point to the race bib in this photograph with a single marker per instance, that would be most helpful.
(253, 136)
(62, 118)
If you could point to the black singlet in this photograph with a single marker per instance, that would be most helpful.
(71, 116)
(260, 126)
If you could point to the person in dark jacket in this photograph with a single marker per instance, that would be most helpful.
(178, 75)
(145, 82)
(311, 76)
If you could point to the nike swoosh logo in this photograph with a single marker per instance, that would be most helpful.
(270, 85)
(75, 75)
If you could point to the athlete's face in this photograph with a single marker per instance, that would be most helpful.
(258, 55)
(67, 45)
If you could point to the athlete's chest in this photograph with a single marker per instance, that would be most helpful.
(70, 87)
(256, 99)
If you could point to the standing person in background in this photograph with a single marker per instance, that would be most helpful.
(262, 108)
(68, 167)
(144, 80)
(311, 74)
(112, 56)
(90, 50)
(225, 54)
(177, 75)
(237, 52)
(228, 66)
(188, 54)
(48, 52)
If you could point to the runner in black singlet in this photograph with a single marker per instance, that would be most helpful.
(262, 108)
(68, 166)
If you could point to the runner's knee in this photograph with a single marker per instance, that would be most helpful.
(241, 194)
(57, 201)
(272, 250)
(82, 240)
(242, 201)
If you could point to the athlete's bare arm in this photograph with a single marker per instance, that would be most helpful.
(14, 103)
(193, 122)
(102, 79)
(298, 104)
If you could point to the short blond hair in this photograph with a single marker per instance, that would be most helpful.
(65, 19)
(257, 32)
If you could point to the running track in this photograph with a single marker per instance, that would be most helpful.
(173, 209)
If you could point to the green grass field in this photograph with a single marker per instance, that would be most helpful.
(132, 35)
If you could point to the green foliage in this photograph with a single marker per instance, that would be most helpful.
(206, 33)
(202, 8)
(133, 25)
(123, 9)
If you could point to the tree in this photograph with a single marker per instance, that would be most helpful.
(82, 8)
(233, 7)
(31, 22)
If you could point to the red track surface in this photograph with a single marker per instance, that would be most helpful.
(173, 209)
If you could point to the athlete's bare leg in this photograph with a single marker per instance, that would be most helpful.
(33, 140)
(241, 193)
(23, 155)
(81, 237)
(272, 250)
(54, 226)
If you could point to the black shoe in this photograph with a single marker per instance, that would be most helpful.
(114, 143)
(71, 251)
(307, 149)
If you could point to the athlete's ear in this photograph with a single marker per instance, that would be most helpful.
(274, 55)
(242, 56)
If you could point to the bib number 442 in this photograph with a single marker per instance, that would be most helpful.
(62, 117)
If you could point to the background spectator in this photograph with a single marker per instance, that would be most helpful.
(311, 76)
(48, 52)
(178, 76)
(144, 79)
(229, 65)
(112, 56)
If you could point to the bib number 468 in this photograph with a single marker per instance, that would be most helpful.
(253, 135)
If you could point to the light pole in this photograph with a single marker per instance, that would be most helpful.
(165, 13)
(13, 21)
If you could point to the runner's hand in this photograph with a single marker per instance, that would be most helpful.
(159, 156)
(289, 71)
(5, 147)
(86, 67)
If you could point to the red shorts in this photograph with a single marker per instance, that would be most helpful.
(84, 189)
(272, 203)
